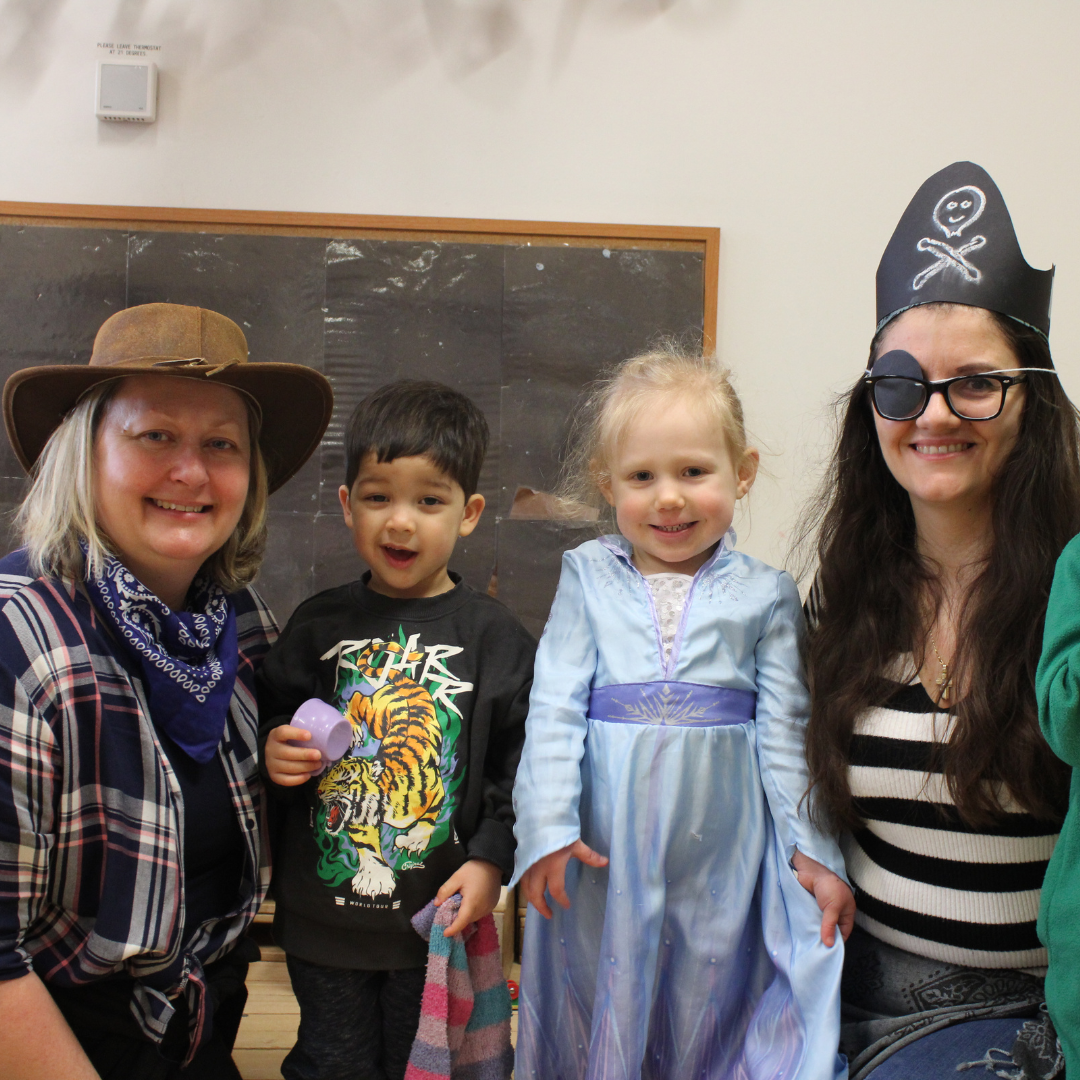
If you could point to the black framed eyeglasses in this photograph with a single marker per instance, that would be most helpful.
(970, 397)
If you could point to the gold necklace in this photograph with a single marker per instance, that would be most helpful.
(944, 680)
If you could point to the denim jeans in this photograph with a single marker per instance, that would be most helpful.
(354, 1025)
(941, 1055)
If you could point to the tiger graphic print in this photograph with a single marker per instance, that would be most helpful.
(388, 795)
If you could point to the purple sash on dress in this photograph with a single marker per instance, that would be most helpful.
(673, 704)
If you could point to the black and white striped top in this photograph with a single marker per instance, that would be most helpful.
(924, 880)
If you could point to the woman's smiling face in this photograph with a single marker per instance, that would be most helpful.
(939, 459)
(172, 464)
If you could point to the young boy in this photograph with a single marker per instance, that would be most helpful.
(435, 679)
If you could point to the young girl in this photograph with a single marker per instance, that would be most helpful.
(660, 794)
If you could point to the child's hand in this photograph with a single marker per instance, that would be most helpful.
(288, 765)
(549, 875)
(479, 883)
(834, 898)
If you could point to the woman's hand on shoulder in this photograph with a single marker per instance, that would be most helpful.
(288, 765)
(834, 898)
(549, 875)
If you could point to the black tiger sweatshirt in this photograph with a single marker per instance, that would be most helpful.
(437, 691)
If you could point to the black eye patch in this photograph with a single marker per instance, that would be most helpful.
(897, 362)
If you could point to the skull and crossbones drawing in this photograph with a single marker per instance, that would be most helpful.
(955, 211)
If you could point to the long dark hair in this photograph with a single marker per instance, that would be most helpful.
(869, 603)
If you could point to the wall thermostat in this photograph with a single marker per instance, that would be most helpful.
(127, 89)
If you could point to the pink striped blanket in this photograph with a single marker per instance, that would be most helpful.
(464, 1031)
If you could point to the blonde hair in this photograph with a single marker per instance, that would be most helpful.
(58, 516)
(616, 400)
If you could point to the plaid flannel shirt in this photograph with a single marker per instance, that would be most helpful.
(91, 833)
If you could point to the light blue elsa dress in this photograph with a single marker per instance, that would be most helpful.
(695, 953)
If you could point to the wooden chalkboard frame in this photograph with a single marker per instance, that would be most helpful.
(659, 279)
(703, 239)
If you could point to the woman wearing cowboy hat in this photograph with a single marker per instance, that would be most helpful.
(132, 826)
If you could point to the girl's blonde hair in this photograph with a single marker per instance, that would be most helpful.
(616, 400)
(58, 515)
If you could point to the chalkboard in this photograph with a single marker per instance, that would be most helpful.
(517, 315)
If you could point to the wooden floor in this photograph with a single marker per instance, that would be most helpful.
(271, 1016)
(268, 1029)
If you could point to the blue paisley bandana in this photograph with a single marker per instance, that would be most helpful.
(188, 658)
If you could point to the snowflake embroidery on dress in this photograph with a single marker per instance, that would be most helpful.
(663, 706)
(614, 574)
(722, 585)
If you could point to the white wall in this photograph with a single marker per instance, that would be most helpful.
(800, 128)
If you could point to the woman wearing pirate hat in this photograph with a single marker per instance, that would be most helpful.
(954, 487)
(132, 826)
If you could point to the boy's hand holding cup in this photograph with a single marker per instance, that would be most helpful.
(317, 736)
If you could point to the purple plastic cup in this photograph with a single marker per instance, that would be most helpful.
(331, 733)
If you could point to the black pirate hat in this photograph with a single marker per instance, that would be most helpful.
(956, 243)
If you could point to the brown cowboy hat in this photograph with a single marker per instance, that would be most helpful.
(189, 343)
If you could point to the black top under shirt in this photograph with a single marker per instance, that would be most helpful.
(213, 843)
(214, 847)
(437, 691)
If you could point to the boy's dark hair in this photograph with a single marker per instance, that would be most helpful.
(410, 418)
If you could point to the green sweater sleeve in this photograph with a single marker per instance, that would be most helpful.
(1057, 681)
